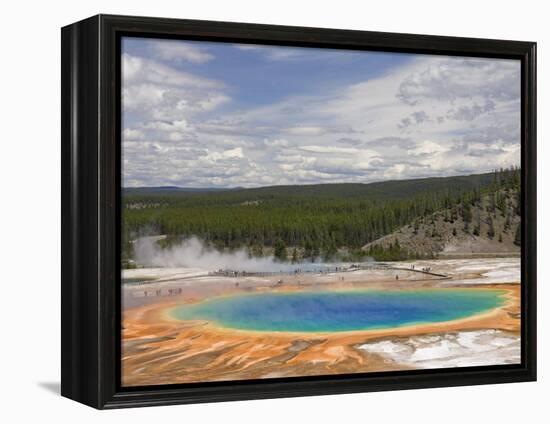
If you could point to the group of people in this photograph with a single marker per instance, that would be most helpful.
(425, 269)
(159, 292)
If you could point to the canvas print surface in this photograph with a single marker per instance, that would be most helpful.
(291, 212)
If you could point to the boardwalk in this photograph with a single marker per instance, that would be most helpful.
(422, 271)
(327, 270)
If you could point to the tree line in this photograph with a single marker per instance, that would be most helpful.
(312, 224)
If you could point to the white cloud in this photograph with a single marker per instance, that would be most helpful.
(166, 93)
(132, 134)
(429, 148)
(137, 69)
(179, 51)
(330, 149)
(454, 78)
(307, 131)
(237, 152)
(274, 53)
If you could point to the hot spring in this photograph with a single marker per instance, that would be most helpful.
(333, 311)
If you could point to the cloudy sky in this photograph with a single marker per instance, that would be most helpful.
(198, 114)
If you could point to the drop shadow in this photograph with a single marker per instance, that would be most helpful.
(51, 386)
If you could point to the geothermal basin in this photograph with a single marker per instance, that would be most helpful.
(195, 324)
(350, 310)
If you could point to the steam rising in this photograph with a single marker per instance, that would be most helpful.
(192, 253)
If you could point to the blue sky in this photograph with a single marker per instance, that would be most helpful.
(201, 114)
(255, 78)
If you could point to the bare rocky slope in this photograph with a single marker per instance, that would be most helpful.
(487, 228)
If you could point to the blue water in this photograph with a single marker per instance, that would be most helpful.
(332, 311)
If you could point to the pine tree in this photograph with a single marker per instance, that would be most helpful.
(294, 255)
(308, 249)
(501, 203)
(466, 216)
(280, 250)
(329, 250)
(258, 251)
(517, 237)
(491, 228)
(454, 215)
(315, 251)
(477, 228)
(507, 222)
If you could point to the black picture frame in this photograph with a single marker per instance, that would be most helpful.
(91, 175)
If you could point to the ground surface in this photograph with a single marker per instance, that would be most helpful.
(158, 349)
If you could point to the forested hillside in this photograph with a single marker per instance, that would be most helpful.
(306, 221)
(489, 225)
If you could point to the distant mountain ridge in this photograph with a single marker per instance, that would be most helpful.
(393, 189)
(172, 190)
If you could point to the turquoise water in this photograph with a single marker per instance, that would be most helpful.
(334, 311)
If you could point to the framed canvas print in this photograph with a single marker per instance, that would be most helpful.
(255, 211)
